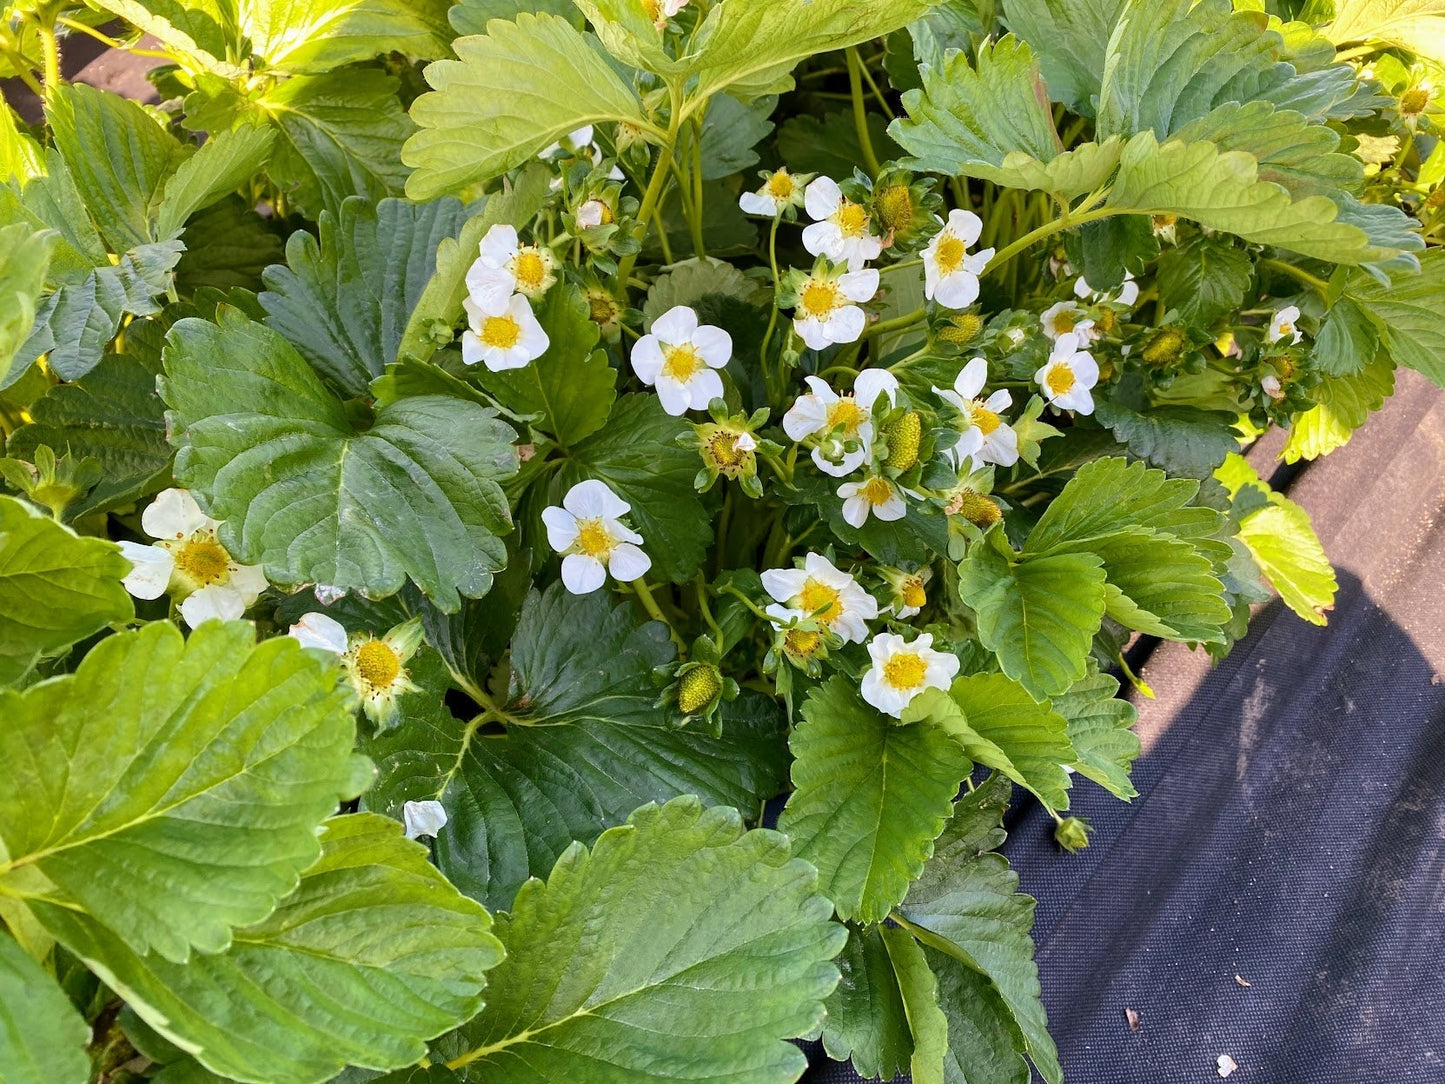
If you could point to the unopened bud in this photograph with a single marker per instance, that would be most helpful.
(1072, 834)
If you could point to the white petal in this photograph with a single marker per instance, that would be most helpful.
(591, 498)
(822, 197)
(582, 574)
(674, 396)
(1128, 292)
(500, 244)
(703, 388)
(807, 415)
(714, 345)
(150, 572)
(872, 383)
(859, 250)
(1002, 446)
(532, 340)
(676, 325)
(966, 224)
(958, 290)
(473, 351)
(892, 509)
(757, 203)
(1086, 369)
(628, 563)
(814, 332)
(971, 380)
(488, 289)
(999, 401)
(855, 511)
(581, 136)
(647, 359)
(1077, 399)
(821, 238)
(249, 581)
(319, 631)
(174, 514)
(561, 528)
(844, 325)
(783, 583)
(213, 601)
(1082, 290)
(498, 360)
(859, 285)
(423, 818)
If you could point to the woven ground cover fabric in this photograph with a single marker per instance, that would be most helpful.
(1290, 825)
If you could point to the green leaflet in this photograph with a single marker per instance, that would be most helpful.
(1183, 440)
(679, 939)
(221, 165)
(209, 760)
(1342, 405)
(513, 91)
(870, 795)
(24, 258)
(318, 35)
(919, 990)
(1409, 314)
(472, 16)
(867, 1022)
(1070, 39)
(1418, 27)
(1100, 730)
(415, 495)
(1347, 341)
(1204, 278)
(344, 302)
(1032, 737)
(55, 588)
(373, 954)
(983, 1042)
(42, 1037)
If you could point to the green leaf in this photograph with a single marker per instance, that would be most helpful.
(695, 283)
(208, 762)
(627, 30)
(318, 35)
(513, 91)
(1204, 278)
(42, 1037)
(637, 455)
(1070, 39)
(1160, 585)
(24, 259)
(415, 495)
(1100, 728)
(1293, 150)
(1284, 545)
(1030, 736)
(1037, 615)
(373, 954)
(590, 746)
(679, 940)
(1409, 314)
(55, 588)
(919, 991)
(1342, 403)
(867, 1021)
(223, 164)
(472, 16)
(344, 301)
(571, 386)
(196, 29)
(984, 1045)
(1103, 252)
(730, 131)
(969, 910)
(1183, 440)
(228, 245)
(829, 143)
(1416, 25)
(341, 136)
(1347, 340)
(869, 797)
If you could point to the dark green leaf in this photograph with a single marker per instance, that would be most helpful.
(1409, 314)
(1204, 278)
(867, 1022)
(1100, 730)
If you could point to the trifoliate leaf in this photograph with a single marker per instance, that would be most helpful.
(571, 387)
(1100, 730)
(704, 946)
(869, 797)
(1409, 314)
(1030, 736)
(1347, 340)
(1204, 278)
(315, 499)
(24, 259)
(373, 954)
(42, 1037)
(221, 165)
(1183, 440)
(344, 302)
(513, 90)
(637, 455)
(867, 1022)
(55, 588)
(1038, 615)
(1070, 39)
(210, 761)
(1342, 403)
(318, 35)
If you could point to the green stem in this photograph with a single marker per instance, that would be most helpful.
(704, 608)
(655, 186)
(644, 595)
(897, 323)
(777, 290)
(878, 94)
(749, 603)
(1048, 229)
(1299, 273)
(860, 113)
(51, 50)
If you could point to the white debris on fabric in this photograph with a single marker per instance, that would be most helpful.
(1226, 1064)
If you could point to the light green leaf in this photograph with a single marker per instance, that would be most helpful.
(42, 1037)
(20, 156)
(24, 260)
(222, 164)
(1100, 730)
(415, 494)
(984, 1044)
(472, 16)
(512, 91)
(1070, 39)
(867, 1022)
(196, 29)
(208, 762)
(1030, 736)
(345, 301)
(318, 35)
(1416, 25)
(919, 991)
(571, 386)
(637, 455)
(628, 31)
(56, 588)
(1409, 314)
(1204, 278)
(373, 954)
(341, 136)
(969, 910)
(1160, 585)
(1347, 340)
(1037, 615)
(1292, 150)
(1342, 403)
(679, 940)
(869, 797)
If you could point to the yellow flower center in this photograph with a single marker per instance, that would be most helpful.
(1286, 328)
(602, 308)
(1065, 320)
(1060, 378)
(800, 643)
(820, 297)
(203, 560)
(593, 538)
(986, 420)
(851, 219)
(913, 593)
(680, 362)
(780, 185)
(905, 670)
(847, 415)
(1414, 100)
(377, 664)
(501, 332)
(877, 491)
(820, 601)
(949, 254)
(529, 269)
(723, 447)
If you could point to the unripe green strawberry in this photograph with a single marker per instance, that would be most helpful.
(903, 436)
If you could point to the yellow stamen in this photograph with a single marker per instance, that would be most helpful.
(593, 538)
(529, 269)
(680, 362)
(877, 491)
(913, 594)
(800, 643)
(820, 601)
(1065, 320)
(948, 254)
(820, 297)
(851, 219)
(501, 332)
(377, 664)
(847, 415)
(1060, 378)
(780, 185)
(723, 447)
(986, 420)
(203, 560)
(905, 670)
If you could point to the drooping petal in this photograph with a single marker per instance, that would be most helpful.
(423, 818)
(807, 415)
(174, 514)
(855, 509)
(216, 601)
(150, 572)
(249, 581)
(320, 631)
(844, 325)
(500, 244)
(628, 563)
(758, 203)
(814, 333)
(783, 583)
(999, 401)
(582, 574)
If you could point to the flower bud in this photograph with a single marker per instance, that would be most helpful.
(1072, 834)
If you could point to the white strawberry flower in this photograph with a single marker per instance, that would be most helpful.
(950, 272)
(840, 226)
(844, 423)
(680, 357)
(423, 818)
(376, 665)
(1284, 325)
(780, 191)
(1065, 379)
(876, 496)
(588, 531)
(663, 11)
(506, 267)
(827, 310)
(573, 142)
(593, 213)
(1067, 318)
(901, 670)
(987, 437)
(1272, 387)
(1127, 296)
(189, 562)
(823, 593)
(505, 339)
